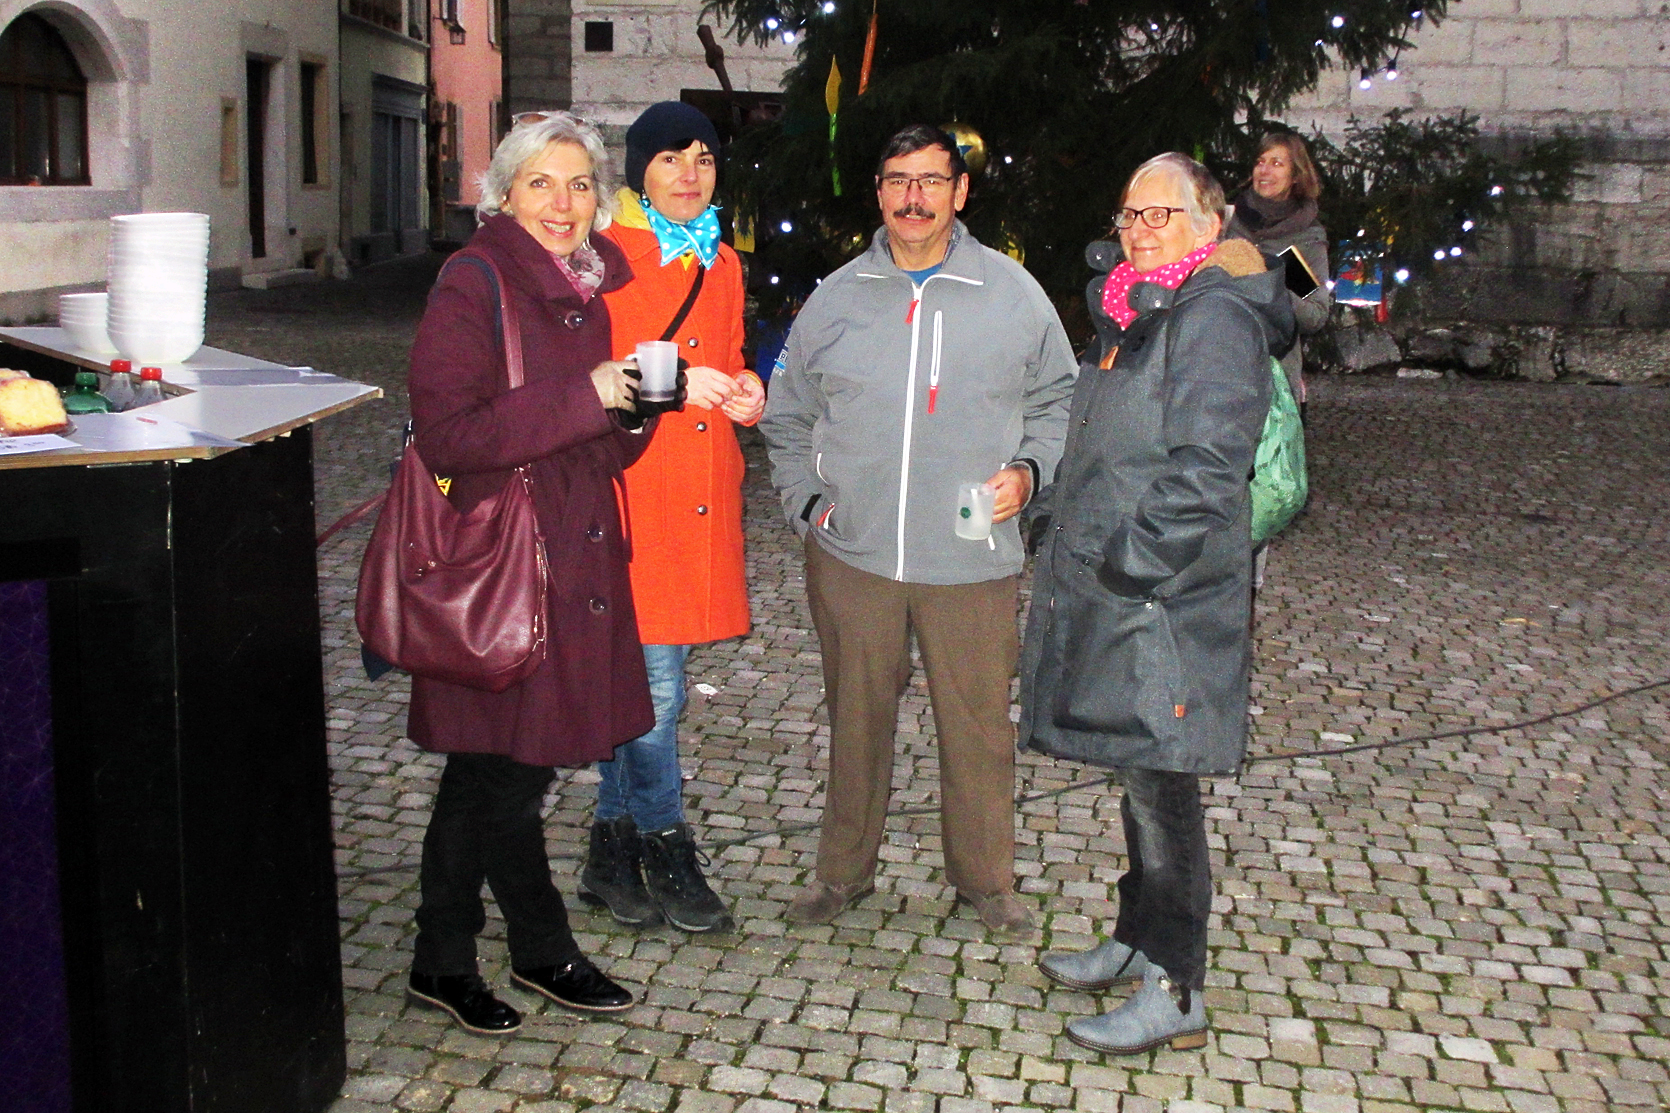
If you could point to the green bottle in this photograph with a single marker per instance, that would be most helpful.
(84, 397)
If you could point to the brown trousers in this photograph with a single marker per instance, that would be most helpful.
(969, 645)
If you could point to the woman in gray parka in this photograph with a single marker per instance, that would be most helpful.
(1137, 650)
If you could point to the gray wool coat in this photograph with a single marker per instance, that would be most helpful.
(1137, 651)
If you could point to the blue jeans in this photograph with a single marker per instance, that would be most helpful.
(643, 780)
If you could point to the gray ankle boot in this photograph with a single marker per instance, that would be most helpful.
(673, 875)
(1108, 965)
(1158, 1012)
(611, 874)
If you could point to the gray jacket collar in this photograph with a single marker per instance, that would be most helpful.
(963, 259)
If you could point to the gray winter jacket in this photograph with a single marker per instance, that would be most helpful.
(891, 395)
(1136, 649)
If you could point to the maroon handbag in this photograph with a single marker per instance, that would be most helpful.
(458, 597)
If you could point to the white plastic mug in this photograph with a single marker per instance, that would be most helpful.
(658, 364)
(974, 510)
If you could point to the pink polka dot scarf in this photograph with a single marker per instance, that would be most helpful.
(1116, 293)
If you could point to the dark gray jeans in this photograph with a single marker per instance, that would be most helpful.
(1166, 895)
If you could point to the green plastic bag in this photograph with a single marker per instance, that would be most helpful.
(1279, 486)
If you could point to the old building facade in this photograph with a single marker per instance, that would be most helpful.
(136, 105)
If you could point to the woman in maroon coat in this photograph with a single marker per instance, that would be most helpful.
(572, 421)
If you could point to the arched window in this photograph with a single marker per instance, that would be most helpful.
(43, 107)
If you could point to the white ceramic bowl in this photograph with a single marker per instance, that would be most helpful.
(82, 303)
(150, 345)
(88, 336)
(161, 220)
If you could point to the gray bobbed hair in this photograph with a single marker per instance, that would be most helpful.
(527, 141)
(1198, 191)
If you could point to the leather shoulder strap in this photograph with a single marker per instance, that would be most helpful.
(510, 331)
(689, 302)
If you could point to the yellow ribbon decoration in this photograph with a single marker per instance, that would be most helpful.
(832, 101)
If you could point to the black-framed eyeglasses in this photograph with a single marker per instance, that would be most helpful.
(901, 183)
(1155, 216)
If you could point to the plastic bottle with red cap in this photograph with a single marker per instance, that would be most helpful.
(149, 389)
(119, 390)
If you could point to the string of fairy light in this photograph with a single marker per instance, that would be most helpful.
(789, 31)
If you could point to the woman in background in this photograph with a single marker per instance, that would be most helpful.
(1278, 210)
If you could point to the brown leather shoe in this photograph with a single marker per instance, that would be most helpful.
(1002, 913)
(820, 902)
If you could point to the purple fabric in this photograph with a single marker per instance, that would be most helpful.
(34, 1020)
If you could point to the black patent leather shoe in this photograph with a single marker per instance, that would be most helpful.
(575, 985)
(468, 999)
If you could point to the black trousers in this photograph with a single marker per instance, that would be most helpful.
(1166, 895)
(487, 825)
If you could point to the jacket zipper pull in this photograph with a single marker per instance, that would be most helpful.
(910, 314)
(933, 396)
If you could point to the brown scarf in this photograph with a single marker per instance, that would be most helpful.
(1265, 219)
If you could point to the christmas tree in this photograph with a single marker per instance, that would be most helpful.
(1066, 97)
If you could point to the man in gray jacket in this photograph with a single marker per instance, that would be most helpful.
(926, 363)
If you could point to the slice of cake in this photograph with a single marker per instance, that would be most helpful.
(29, 406)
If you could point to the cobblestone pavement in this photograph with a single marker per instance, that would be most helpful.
(1475, 923)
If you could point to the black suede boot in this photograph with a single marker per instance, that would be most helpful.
(674, 878)
(611, 876)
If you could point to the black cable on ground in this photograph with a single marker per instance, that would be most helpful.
(1110, 778)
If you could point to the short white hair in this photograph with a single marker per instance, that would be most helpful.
(1201, 196)
(535, 131)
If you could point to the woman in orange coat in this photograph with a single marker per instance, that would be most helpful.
(684, 506)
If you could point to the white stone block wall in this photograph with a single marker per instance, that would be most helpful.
(1598, 70)
(1523, 65)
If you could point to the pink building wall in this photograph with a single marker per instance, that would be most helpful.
(467, 83)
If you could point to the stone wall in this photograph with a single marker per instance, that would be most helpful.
(538, 67)
(1598, 70)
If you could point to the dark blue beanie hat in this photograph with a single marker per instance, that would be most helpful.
(667, 126)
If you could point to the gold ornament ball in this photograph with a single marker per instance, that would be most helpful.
(970, 142)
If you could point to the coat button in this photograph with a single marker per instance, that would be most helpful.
(598, 605)
(595, 533)
(701, 426)
(701, 510)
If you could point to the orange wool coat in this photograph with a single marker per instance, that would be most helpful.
(684, 495)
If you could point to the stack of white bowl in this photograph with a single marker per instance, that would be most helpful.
(82, 317)
(159, 276)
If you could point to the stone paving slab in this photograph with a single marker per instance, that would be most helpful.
(1474, 923)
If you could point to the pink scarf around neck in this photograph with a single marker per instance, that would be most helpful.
(1117, 291)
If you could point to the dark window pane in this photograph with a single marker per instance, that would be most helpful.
(72, 160)
(37, 136)
(8, 134)
(43, 106)
(42, 52)
(310, 132)
(600, 36)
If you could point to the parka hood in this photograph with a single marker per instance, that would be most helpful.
(1237, 268)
